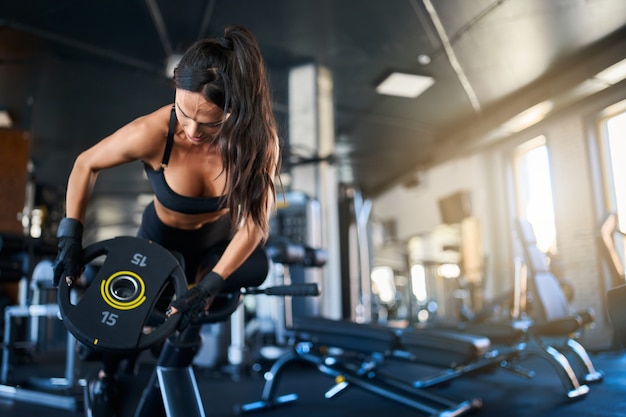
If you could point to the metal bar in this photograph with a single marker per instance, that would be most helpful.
(454, 63)
(62, 402)
(92, 49)
(159, 23)
(179, 391)
(206, 18)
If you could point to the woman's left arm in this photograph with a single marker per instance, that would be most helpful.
(249, 235)
(244, 242)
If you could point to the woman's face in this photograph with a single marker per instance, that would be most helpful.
(201, 119)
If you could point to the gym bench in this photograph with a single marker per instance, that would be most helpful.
(358, 354)
(354, 355)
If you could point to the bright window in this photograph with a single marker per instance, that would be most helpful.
(534, 191)
(616, 132)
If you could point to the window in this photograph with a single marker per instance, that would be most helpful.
(534, 191)
(616, 139)
(612, 143)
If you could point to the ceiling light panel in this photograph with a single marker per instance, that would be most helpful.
(404, 85)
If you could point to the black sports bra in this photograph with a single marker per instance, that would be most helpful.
(166, 196)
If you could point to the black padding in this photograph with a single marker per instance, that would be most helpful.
(505, 333)
(558, 327)
(346, 334)
(294, 290)
(285, 252)
(437, 347)
(616, 302)
(443, 348)
(315, 257)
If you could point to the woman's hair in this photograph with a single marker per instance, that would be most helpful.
(230, 72)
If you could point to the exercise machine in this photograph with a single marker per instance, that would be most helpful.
(126, 297)
(401, 365)
(24, 260)
(358, 355)
(554, 323)
(542, 323)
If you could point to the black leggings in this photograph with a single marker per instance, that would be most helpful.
(192, 245)
(202, 248)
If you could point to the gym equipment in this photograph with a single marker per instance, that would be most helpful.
(18, 254)
(124, 297)
(172, 390)
(364, 355)
(544, 326)
(554, 323)
(610, 236)
(113, 311)
(357, 354)
(297, 219)
(354, 215)
(387, 361)
(616, 304)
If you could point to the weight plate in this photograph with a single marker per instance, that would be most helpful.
(132, 287)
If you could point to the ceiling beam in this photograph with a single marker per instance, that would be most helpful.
(159, 24)
(83, 46)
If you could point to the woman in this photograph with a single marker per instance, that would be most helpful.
(211, 158)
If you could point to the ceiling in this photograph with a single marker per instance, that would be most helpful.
(490, 59)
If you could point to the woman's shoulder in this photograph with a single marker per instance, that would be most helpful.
(152, 125)
(157, 117)
(147, 133)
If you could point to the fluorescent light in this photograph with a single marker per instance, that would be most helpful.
(404, 85)
(5, 119)
(613, 74)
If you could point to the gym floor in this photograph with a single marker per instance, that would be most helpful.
(502, 393)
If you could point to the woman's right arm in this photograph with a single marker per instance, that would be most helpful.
(140, 139)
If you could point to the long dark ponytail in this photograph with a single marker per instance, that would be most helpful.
(230, 72)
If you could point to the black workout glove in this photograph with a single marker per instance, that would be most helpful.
(197, 298)
(69, 262)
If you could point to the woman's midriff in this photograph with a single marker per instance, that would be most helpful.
(185, 221)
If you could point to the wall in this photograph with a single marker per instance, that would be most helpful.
(68, 103)
(485, 176)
